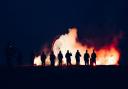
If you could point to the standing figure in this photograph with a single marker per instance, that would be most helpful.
(52, 58)
(86, 58)
(68, 57)
(32, 56)
(60, 57)
(93, 58)
(43, 58)
(77, 56)
(10, 53)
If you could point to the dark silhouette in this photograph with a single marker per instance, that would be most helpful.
(86, 58)
(68, 57)
(93, 58)
(43, 58)
(60, 57)
(77, 56)
(10, 53)
(32, 56)
(52, 58)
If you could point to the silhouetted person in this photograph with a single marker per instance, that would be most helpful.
(52, 58)
(86, 58)
(93, 58)
(60, 57)
(77, 56)
(32, 56)
(68, 57)
(10, 53)
(43, 58)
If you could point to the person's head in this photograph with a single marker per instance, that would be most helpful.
(93, 51)
(77, 50)
(67, 51)
(86, 51)
(52, 52)
(42, 52)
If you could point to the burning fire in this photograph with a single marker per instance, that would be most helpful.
(107, 55)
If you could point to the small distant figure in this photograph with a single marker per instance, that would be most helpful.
(10, 53)
(60, 57)
(68, 57)
(77, 56)
(93, 58)
(86, 58)
(43, 58)
(52, 58)
(32, 56)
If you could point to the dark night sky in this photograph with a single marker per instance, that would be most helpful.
(31, 23)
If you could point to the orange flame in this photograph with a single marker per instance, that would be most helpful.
(107, 55)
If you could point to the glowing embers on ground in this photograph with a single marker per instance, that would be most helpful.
(107, 55)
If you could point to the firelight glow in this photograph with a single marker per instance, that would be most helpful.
(107, 55)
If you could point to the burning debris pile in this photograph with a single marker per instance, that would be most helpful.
(106, 55)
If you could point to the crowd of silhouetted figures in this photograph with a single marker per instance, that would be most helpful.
(12, 52)
(60, 56)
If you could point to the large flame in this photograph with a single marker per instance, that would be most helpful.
(107, 55)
